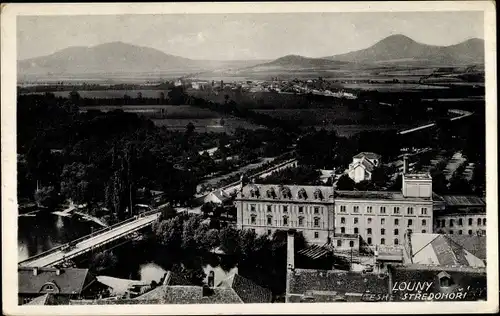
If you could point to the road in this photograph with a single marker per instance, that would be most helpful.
(88, 244)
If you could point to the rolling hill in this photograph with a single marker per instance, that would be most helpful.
(402, 49)
(118, 58)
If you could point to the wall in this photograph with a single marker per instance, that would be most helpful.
(465, 228)
(363, 219)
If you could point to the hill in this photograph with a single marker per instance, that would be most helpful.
(402, 49)
(117, 58)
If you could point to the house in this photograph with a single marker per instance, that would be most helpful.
(217, 197)
(69, 282)
(362, 166)
(437, 250)
(50, 299)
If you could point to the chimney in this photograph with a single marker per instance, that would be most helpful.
(289, 261)
(35, 271)
(405, 164)
(58, 271)
(211, 279)
(206, 291)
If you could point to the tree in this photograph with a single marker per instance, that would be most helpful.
(167, 212)
(103, 262)
(207, 208)
(229, 238)
(439, 182)
(47, 196)
(345, 183)
(169, 232)
(190, 128)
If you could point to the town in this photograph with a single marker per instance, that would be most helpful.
(359, 177)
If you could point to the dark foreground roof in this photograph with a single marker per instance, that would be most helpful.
(69, 281)
(248, 291)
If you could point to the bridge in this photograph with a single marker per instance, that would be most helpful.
(462, 114)
(87, 243)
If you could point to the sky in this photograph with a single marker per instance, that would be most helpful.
(244, 36)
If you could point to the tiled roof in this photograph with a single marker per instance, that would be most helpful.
(40, 300)
(70, 280)
(173, 278)
(463, 200)
(248, 291)
(470, 280)
(180, 294)
(368, 155)
(287, 192)
(302, 280)
(476, 245)
(377, 195)
(315, 251)
(436, 249)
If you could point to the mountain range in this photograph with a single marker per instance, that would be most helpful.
(121, 58)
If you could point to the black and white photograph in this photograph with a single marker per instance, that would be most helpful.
(177, 157)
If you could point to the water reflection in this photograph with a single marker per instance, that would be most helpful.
(44, 231)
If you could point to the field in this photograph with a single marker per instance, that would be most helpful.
(389, 87)
(102, 94)
(176, 117)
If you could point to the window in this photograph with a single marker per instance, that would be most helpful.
(369, 240)
(382, 221)
(470, 221)
(269, 220)
(252, 207)
(342, 230)
(339, 243)
(285, 208)
(342, 220)
(369, 220)
(316, 235)
(269, 232)
(254, 219)
(382, 210)
(396, 210)
(355, 209)
(396, 221)
(301, 221)
(351, 243)
(423, 211)
(342, 208)
(396, 232)
(484, 221)
(444, 279)
(409, 210)
(470, 232)
(301, 209)
(451, 232)
(451, 222)
(285, 221)
(369, 209)
(355, 220)
(316, 210)
(316, 222)
(396, 241)
(49, 287)
(369, 231)
(410, 222)
(460, 232)
(356, 231)
(424, 231)
(478, 221)
(460, 222)
(424, 222)
(382, 241)
(269, 208)
(382, 231)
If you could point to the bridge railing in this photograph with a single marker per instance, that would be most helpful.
(95, 233)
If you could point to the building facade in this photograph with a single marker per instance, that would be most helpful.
(362, 166)
(344, 218)
(461, 215)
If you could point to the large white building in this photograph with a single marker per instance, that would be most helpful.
(343, 218)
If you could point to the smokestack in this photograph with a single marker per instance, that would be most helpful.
(290, 261)
(405, 164)
(211, 279)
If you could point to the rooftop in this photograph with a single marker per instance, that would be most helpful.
(437, 249)
(368, 155)
(247, 291)
(188, 294)
(417, 176)
(464, 200)
(341, 282)
(377, 195)
(69, 281)
(287, 192)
